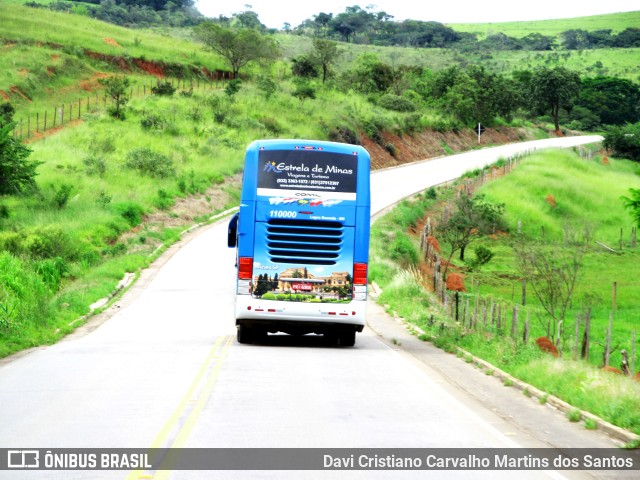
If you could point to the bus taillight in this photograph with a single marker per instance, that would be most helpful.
(245, 268)
(359, 273)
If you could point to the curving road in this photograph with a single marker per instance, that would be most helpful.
(161, 368)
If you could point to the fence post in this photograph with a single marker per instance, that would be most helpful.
(633, 351)
(584, 353)
(525, 333)
(607, 347)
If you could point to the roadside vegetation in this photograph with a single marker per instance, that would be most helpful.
(407, 282)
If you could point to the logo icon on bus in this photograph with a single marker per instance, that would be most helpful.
(271, 167)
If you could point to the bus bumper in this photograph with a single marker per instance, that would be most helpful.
(300, 317)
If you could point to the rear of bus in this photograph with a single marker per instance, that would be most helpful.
(302, 240)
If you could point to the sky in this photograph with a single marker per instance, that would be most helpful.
(274, 13)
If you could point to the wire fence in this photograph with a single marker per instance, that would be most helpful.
(57, 117)
(512, 319)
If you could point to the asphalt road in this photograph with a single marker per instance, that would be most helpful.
(161, 368)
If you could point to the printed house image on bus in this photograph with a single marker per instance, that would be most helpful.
(295, 284)
(302, 240)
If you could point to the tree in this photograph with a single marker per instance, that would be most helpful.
(325, 53)
(552, 271)
(472, 218)
(553, 89)
(238, 46)
(615, 101)
(116, 87)
(633, 204)
(624, 141)
(17, 174)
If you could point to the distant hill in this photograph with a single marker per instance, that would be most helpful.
(613, 21)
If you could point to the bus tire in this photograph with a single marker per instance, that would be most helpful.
(244, 334)
(348, 338)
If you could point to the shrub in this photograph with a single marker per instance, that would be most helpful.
(45, 242)
(150, 163)
(232, 87)
(94, 165)
(624, 141)
(403, 251)
(163, 88)
(396, 103)
(131, 212)
(153, 121)
(164, 200)
(62, 195)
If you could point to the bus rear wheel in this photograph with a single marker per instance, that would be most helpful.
(348, 338)
(245, 334)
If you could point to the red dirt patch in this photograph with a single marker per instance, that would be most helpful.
(111, 41)
(547, 345)
(149, 67)
(92, 83)
(16, 91)
(4, 95)
(455, 282)
(551, 200)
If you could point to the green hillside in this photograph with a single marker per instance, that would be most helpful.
(555, 192)
(614, 21)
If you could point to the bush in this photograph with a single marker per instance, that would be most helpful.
(396, 103)
(403, 251)
(153, 121)
(150, 163)
(62, 195)
(44, 242)
(232, 87)
(624, 141)
(163, 88)
(164, 200)
(131, 212)
(94, 165)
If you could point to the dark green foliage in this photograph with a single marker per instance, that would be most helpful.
(232, 87)
(164, 200)
(552, 89)
(238, 46)
(483, 256)
(624, 141)
(397, 103)
(62, 195)
(267, 87)
(94, 165)
(153, 121)
(344, 134)
(391, 148)
(44, 242)
(163, 89)
(632, 203)
(304, 66)
(304, 91)
(150, 163)
(17, 173)
(131, 212)
(613, 101)
(116, 88)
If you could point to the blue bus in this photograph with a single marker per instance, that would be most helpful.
(302, 240)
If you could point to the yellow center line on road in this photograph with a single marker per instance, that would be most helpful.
(189, 406)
